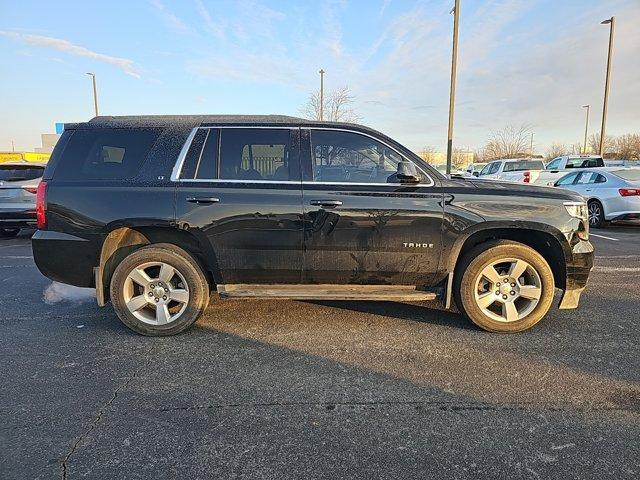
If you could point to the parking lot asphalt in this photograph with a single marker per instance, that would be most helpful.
(285, 389)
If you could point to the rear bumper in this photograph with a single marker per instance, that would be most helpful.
(65, 258)
(17, 217)
(579, 265)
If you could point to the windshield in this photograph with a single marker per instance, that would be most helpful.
(631, 174)
(523, 165)
(17, 173)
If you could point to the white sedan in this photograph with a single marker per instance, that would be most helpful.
(612, 193)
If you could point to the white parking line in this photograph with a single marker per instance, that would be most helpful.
(606, 238)
(616, 269)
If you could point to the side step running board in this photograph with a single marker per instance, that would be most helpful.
(399, 293)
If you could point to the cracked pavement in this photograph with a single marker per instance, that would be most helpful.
(283, 389)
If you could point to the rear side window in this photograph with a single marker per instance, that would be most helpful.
(19, 173)
(252, 154)
(585, 162)
(523, 165)
(106, 153)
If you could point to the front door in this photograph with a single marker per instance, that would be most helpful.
(240, 193)
(360, 225)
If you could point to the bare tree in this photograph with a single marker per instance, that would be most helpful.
(336, 108)
(429, 155)
(510, 142)
(556, 150)
(609, 144)
(628, 146)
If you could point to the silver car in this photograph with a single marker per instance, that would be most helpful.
(18, 186)
(612, 193)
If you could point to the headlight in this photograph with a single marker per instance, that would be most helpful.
(579, 210)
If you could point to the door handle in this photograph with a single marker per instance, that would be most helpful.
(326, 203)
(203, 200)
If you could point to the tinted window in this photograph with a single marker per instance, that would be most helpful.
(105, 153)
(255, 154)
(521, 165)
(495, 166)
(584, 162)
(568, 179)
(350, 157)
(202, 157)
(17, 173)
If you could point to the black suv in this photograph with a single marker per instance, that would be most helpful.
(156, 212)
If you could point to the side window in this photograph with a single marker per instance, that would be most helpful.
(106, 153)
(255, 154)
(202, 157)
(339, 156)
(495, 166)
(554, 164)
(485, 170)
(591, 177)
(568, 179)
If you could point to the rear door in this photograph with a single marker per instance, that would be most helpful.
(361, 226)
(239, 190)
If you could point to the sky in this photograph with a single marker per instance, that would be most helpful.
(533, 62)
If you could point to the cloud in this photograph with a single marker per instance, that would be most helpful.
(127, 66)
(211, 26)
(172, 21)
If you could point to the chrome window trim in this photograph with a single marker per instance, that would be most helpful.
(177, 168)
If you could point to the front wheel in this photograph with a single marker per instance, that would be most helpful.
(504, 286)
(159, 290)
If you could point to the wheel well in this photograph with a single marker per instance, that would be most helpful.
(543, 243)
(122, 241)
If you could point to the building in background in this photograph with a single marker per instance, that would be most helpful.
(39, 154)
(48, 141)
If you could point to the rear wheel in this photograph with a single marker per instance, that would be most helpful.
(504, 286)
(596, 214)
(159, 290)
(9, 232)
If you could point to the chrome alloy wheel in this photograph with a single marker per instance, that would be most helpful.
(594, 213)
(508, 289)
(156, 293)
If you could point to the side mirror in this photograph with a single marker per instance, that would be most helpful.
(407, 173)
(476, 174)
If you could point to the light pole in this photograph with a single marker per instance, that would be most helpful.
(612, 23)
(531, 146)
(586, 128)
(95, 91)
(452, 92)
(321, 72)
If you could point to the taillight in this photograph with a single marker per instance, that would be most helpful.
(527, 177)
(629, 192)
(41, 205)
(32, 190)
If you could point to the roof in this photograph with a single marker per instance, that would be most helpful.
(166, 120)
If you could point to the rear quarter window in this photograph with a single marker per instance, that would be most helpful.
(105, 153)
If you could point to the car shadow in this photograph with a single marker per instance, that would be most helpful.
(403, 311)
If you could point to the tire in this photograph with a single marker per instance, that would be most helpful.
(185, 293)
(9, 232)
(474, 290)
(596, 214)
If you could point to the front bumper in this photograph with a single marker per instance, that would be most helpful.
(579, 265)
